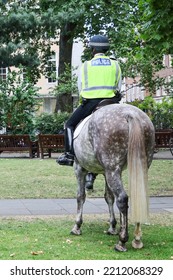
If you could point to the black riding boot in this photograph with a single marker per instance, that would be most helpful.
(68, 157)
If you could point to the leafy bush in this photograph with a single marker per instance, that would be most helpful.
(67, 85)
(18, 103)
(51, 123)
(160, 113)
(162, 117)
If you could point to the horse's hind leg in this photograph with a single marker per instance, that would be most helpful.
(109, 198)
(114, 182)
(80, 175)
(137, 243)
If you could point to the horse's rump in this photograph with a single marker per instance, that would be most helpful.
(104, 137)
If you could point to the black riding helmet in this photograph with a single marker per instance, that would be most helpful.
(99, 43)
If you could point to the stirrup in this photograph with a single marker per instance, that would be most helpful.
(66, 159)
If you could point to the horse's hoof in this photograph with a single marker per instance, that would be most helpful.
(112, 232)
(137, 244)
(89, 186)
(89, 191)
(120, 248)
(76, 232)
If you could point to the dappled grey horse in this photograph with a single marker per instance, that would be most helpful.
(113, 138)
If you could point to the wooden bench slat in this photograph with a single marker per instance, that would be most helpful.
(49, 142)
(163, 138)
(16, 143)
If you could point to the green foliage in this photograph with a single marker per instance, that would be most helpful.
(160, 113)
(18, 103)
(66, 87)
(24, 39)
(131, 34)
(50, 123)
(67, 83)
(162, 116)
(140, 33)
(157, 25)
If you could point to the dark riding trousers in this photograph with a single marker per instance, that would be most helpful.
(84, 110)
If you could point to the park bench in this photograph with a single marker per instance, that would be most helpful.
(19, 143)
(49, 143)
(164, 139)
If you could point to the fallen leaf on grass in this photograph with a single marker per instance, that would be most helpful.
(12, 255)
(68, 241)
(37, 253)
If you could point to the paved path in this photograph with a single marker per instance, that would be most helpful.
(33, 207)
(161, 154)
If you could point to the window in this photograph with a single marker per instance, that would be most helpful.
(24, 74)
(167, 60)
(3, 73)
(52, 69)
(47, 105)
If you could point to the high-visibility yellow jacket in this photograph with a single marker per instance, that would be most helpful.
(100, 77)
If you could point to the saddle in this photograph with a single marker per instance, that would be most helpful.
(103, 103)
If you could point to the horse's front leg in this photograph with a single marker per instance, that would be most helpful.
(109, 198)
(80, 175)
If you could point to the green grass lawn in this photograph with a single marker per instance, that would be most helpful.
(36, 178)
(50, 239)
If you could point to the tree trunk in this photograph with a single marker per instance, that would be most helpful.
(64, 101)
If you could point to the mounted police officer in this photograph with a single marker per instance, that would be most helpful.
(100, 79)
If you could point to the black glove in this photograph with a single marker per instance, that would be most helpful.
(118, 96)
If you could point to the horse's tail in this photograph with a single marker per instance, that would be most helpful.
(137, 172)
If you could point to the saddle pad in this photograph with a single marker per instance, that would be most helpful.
(80, 126)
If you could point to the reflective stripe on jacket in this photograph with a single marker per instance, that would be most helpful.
(100, 77)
